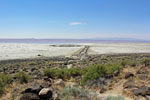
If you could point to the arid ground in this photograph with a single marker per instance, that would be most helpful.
(119, 71)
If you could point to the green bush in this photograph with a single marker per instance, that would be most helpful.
(70, 93)
(145, 61)
(129, 63)
(125, 62)
(4, 80)
(114, 98)
(98, 70)
(112, 67)
(93, 72)
(63, 73)
(89, 73)
(23, 77)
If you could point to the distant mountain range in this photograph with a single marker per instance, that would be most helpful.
(89, 40)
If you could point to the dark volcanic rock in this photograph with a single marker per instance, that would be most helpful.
(46, 78)
(29, 96)
(129, 84)
(116, 73)
(33, 89)
(128, 75)
(101, 83)
(45, 85)
(143, 90)
(46, 93)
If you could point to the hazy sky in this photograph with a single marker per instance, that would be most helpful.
(75, 19)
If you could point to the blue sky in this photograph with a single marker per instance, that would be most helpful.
(75, 19)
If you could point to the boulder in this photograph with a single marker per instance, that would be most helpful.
(129, 84)
(128, 75)
(29, 96)
(45, 85)
(46, 93)
(143, 90)
(46, 78)
(33, 89)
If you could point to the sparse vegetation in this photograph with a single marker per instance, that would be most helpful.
(63, 73)
(71, 93)
(4, 80)
(114, 98)
(88, 73)
(96, 74)
(23, 77)
(146, 61)
(132, 63)
(98, 70)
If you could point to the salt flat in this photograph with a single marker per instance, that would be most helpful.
(22, 51)
(113, 48)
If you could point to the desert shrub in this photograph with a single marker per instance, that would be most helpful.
(98, 70)
(73, 72)
(125, 62)
(93, 72)
(4, 80)
(53, 73)
(129, 63)
(133, 63)
(63, 73)
(33, 68)
(112, 67)
(70, 93)
(23, 77)
(114, 98)
(145, 61)
(35, 72)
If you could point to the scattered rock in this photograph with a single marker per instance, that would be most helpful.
(46, 78)
(45, 85)
(29, 96)
(143, 77)
(128, 75)
(60, 82)
(143, 90)
(116, 73)
(46, 93)
(33, 89)
(129, 84)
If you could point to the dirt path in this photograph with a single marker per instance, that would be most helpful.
(82, 53)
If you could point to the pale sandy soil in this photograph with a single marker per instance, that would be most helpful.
(21, 51)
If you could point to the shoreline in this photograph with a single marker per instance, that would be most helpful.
(64, 58)
(38, 51)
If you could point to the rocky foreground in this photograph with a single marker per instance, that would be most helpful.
(96, 77)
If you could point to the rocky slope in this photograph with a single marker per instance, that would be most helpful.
(131, 82)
